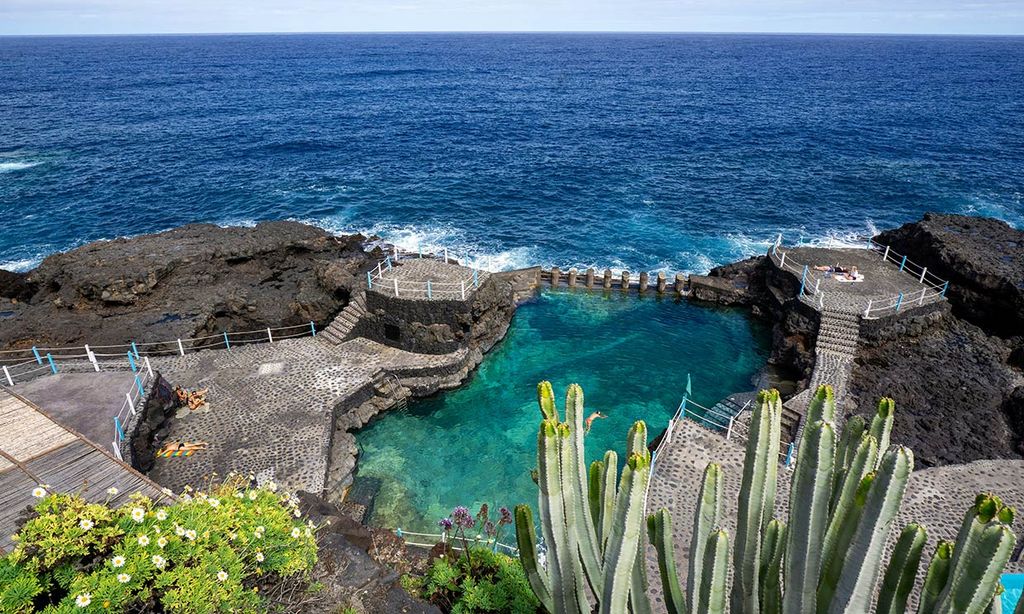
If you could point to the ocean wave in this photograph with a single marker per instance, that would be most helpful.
(21, 265)
(9, 167)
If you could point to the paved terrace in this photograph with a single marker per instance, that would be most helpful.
(936, 498)
(409, 277)
(270, 408)
(35, 450)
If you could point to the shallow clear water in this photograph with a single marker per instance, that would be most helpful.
(477, 444)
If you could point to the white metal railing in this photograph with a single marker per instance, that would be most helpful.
(711, 418)
(436, 538)
(44, 357)
(378, 280)
(134, 398)
(934, 288)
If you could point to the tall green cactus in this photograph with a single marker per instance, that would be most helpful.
(828, 556)
(757, 500)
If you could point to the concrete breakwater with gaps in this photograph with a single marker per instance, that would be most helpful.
(607, 279)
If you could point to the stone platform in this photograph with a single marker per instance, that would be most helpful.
(272, 406)
(447, 280)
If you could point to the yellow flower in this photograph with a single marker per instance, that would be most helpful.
(83, 600)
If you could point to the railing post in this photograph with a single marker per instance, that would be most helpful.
(429, 294)
(149, 368)
(821, 301)
(945, 286)
(117, 451)
(817, 284)
(782, 261)
(131, 362)
(394, 249)
(899, 301)
(419, 250)
(396, 288)
(446, 255)
(117, 425)
(53, 367)
(131, 405)
(921, 302)
(135, 349)
(728, 431)
(181, 348)
(463, 284)
(789, 454)
(369, 281)
(39, 359)
(7, 374)
(227, 341)
(903, 263)
(803, 280)
(312, 328)
(476, 278)
(867, 310)
(388, 262)
(923, 272)
(138, 384)
(270, 335)
(885, 256)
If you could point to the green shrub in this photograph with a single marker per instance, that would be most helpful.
(486, 581)
(204, 553)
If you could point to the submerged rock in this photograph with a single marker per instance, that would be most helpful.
(192, 281)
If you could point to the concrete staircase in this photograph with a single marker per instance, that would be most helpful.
(340, 329)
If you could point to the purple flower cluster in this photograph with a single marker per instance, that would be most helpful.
(445, 524)
(506, 516)
(490, 529)
(463, 518)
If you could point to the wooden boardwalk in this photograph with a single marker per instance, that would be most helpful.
(36, 450)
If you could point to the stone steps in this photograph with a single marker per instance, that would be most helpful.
(342, 326)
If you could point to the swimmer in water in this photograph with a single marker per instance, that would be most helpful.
(594, 416)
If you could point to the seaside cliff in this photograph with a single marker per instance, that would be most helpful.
(956, 377)
(191, 281)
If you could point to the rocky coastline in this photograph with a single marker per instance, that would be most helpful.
(955, 372)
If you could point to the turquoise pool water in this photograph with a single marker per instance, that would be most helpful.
(477, 444)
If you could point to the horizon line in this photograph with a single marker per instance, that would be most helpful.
(414, 32)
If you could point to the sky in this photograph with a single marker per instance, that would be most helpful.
(210, 16)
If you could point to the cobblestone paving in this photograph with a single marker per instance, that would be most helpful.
(271, 405)
(936, 498)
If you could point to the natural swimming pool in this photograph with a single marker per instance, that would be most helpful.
(477, 444)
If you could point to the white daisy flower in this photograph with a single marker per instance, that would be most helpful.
(297, 513)
(159, 561)
(161, 542)
(38, 492)
(123, 578)
(272, 486)
(83, 600)
(117, 561)
(85, 524)
(138, 514)
(190, 534)
(309, 533)
(222, 576)
(112, 491)
(156, 529)
(296, 532)
(161, 515)
(143, 540)
(252, 495)
(167, 491)
(239, 495)
(214, 503)
(179, 530)
(259, 556)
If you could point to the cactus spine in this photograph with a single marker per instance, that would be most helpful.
(899, 576)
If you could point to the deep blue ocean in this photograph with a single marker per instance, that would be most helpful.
(644, 151)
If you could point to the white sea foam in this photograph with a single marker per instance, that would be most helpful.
(21, 265)
(9, 167)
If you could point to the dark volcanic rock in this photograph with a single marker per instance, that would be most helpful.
(192, 281)
(983, 259)
(951, 387)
